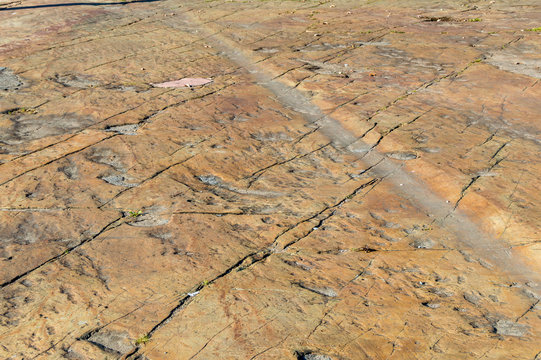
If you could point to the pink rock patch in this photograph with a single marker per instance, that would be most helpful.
(189, 82)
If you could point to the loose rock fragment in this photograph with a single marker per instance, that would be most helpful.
(266, 50)
(402, 155)
(391, 225)
(442, 292)
(429, 150)
(485, 264)
(210, 180)
(118, 180)
(325, 291)
(472, 298)
(376, 216)
(431, 305)
(422, 244)
(129, 129)
(510, 328)
(421, 138)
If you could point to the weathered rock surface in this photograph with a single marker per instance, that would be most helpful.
(358, 181)
(9, 80)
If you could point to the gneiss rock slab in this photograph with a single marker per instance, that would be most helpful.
(263, 214)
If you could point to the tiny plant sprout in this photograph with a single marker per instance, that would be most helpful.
(142, 340)
(135, 213)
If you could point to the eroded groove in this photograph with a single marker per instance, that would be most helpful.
(398, 126)
(53, 345)
(216, 213)
(464, 189)
(477, 177)
(257, 174)
(270, 347)
(305, 135)
(210, 340)
(372, 183)
(348, 102)
(530, 309)
(185, 300)
(498, 151)
(354, 176)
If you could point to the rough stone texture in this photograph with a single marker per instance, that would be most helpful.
(8, 80)
(358, 181)
(118, 342)
(510, 328)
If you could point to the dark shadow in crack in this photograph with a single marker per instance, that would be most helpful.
(76, 4)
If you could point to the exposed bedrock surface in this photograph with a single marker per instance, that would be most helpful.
(359, 180)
